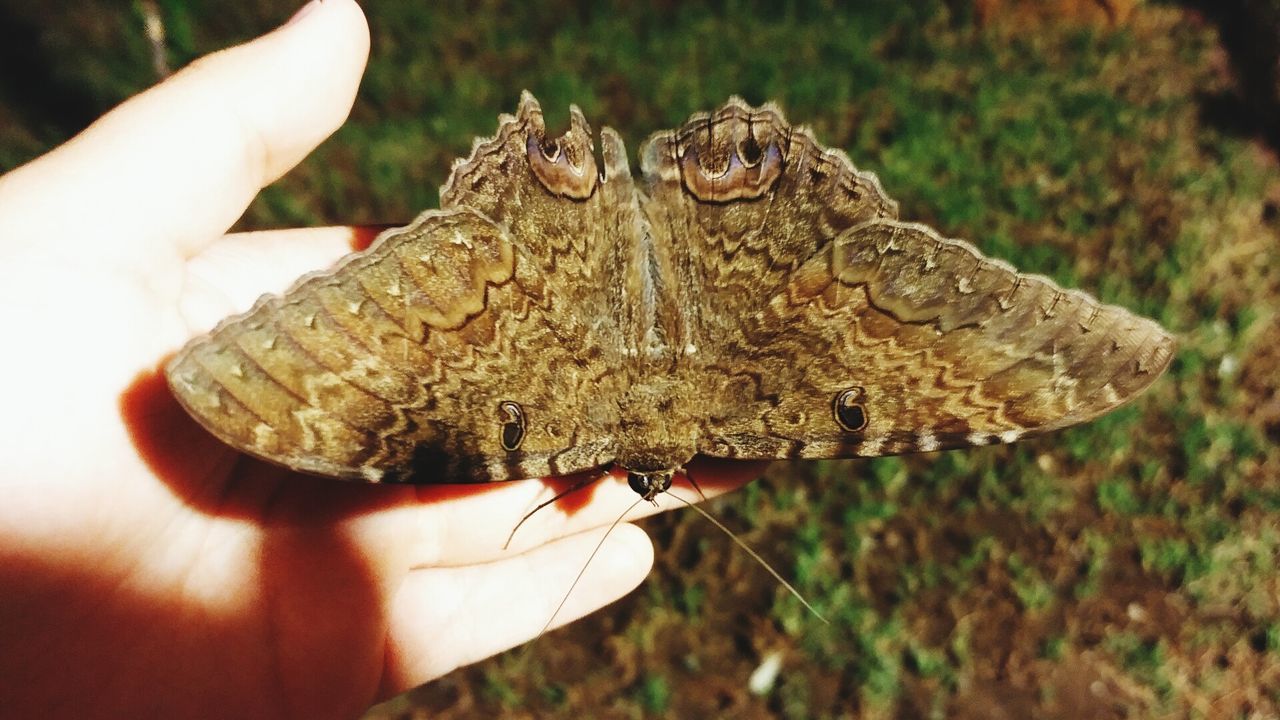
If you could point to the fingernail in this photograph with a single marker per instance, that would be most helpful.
(303, 11)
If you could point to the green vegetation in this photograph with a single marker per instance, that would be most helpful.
(654, 694)
(1137, 552)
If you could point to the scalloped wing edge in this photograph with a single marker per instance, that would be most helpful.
(735, 103)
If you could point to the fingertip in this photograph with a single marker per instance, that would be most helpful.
(324, 49)
(264, 104)
(628, 557)
(178, 164)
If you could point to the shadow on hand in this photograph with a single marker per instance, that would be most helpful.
(199, 468)
(314, 597)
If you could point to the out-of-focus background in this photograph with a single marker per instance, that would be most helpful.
(1122, 569)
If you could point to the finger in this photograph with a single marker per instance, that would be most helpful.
(474, 528)
(447, 617)
(175, 166)
(229, 275)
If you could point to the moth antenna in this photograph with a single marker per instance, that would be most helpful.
(754, 555)
(689, 476)
(583, 571)
(571, 489)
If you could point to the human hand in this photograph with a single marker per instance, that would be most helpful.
(145, 568)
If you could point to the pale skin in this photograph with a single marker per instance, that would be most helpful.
(148, 570)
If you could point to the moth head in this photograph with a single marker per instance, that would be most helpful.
(648, 484)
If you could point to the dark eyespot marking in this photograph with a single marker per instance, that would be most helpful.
(738, 179)
(564, 165)
(551, 150)
(512, 425)
(750, 151)
(848, 409)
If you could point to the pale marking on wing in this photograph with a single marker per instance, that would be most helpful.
(872, 446)
(1113, 397)
(926, 441)
(304, 417)
(315, 384)
(262, 433)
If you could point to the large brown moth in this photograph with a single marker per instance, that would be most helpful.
(751, 295)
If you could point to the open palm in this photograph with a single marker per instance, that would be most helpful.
(146, 569)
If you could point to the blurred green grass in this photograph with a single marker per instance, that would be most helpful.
(1124, 568)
